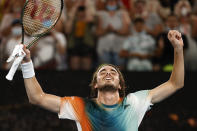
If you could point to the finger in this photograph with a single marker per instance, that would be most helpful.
(178, 35)
(169, 34)
(26, 50)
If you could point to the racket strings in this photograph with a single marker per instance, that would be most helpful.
(40, 15)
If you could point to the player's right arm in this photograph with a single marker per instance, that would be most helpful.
(35, 93)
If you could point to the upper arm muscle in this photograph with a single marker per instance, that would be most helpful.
(161, 92)
(50, 102)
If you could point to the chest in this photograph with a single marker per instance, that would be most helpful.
(118, 119)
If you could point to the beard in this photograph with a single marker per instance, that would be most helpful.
(108, 88)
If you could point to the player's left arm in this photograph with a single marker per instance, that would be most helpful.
(176, 80)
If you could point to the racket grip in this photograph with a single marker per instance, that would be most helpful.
(14, 67)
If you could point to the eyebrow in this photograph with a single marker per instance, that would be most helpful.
(114, 70)
(102, 70)
(110, 69)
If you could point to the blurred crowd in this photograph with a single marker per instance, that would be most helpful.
(131, 34)
(25, 117)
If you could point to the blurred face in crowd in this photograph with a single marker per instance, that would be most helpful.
(140, 6)
(184, 8)
(17, 6)
(139, 26)
(81, 12)
(16, 30)
(112, 5)
(172, 22)
(108, 79)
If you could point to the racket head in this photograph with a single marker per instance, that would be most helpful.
(40, 16)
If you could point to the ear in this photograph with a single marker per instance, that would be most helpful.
(96, 86)
(119, 87)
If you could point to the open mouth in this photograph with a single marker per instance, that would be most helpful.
(108, 78)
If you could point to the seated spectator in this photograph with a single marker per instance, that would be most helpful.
(112, 29)
(165, 52)
(139, 48)
(81, 42)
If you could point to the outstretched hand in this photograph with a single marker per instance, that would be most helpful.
(175, 38)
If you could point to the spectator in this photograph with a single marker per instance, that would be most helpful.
(139, 48)
(60, 49)
(50, 52)
(183, 12)
(165, 54)
(81, 42)
(16, 36)
(11, 11)
(187, 20)
(168, 4)
(144, 9)
(112, 30)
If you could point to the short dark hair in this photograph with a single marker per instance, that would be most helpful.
(138, 20)
(81, 8)
(16, 22)
(94, 91)
(171, 15)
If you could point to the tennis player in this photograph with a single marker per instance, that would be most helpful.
(110, 110)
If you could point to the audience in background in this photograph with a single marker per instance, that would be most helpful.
(81, 41)
(15, 38)
(139, 48)
(50, 52)
(10, 10)
(183, 11)
(150, 15)
(164, 60)
(112, 29)
(95, 31)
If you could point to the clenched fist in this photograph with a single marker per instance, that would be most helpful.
(175, 38)
(27, 58)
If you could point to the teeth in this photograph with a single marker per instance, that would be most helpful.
(108, 78)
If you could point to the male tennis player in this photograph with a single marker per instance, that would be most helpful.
(110, 110)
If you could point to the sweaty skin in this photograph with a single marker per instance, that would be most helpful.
(108, 75)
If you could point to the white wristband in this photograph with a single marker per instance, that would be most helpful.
(27, 69)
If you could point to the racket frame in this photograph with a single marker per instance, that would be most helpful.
(37, 36)
(18, 60)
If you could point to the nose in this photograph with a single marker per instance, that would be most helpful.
(108, 73)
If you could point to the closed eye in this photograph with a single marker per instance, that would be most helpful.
(113, 71)
(102, 72)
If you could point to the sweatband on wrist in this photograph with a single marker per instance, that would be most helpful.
(27, 69)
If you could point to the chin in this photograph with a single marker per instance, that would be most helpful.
(108, 88)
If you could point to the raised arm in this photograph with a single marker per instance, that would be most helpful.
(176, 80)
(34, 91)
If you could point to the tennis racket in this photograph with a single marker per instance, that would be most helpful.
(38, 17)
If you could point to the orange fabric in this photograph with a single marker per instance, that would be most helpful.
(80, 28)
(79, 109)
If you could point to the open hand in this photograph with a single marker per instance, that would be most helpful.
(175, 38)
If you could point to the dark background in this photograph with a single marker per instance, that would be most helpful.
(16, 114)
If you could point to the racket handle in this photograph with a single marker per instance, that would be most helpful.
(14, 67)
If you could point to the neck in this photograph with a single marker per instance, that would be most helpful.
(108, 98)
